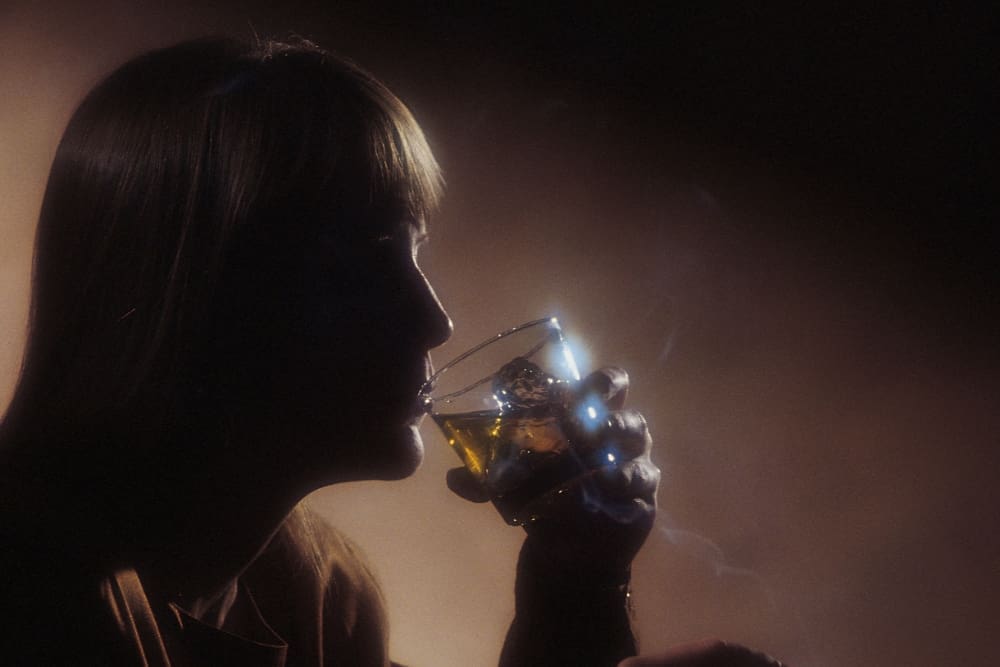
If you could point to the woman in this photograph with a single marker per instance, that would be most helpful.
(227, 314)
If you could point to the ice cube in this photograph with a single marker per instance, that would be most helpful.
(521, 384)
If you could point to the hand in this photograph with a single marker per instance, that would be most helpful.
(597, 530)
(571, 592)
(711, 653)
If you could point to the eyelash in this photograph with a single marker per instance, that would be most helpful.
(418, 242)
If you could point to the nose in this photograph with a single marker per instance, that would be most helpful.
(437, 323)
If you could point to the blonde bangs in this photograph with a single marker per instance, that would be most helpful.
(403, 168)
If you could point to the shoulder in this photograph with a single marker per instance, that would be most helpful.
(313, 586)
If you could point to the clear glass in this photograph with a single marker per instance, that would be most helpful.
(503, 406)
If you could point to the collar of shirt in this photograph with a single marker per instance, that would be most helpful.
(243, 638)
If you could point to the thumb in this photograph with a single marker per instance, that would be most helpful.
(464, 484)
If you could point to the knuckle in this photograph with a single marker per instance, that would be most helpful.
(626, 422)
(635, 422)
(646, 479)
(617, 377)
(655, 475)
(617, 479)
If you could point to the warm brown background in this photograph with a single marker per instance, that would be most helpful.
(779, 221)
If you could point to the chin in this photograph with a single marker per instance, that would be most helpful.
(404, 454)
(385, 455)
(354, 455)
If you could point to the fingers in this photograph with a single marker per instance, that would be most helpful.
(464, 484)
(638, 479)
(627, 433)
(625, 477)
(609, 385)
(617, 447)
(614, 437)
(606, 430)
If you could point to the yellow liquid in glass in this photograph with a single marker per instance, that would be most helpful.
(517, 458)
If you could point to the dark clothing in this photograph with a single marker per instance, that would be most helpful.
(308, 600)
(293, 608)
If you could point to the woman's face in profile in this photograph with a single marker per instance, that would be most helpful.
(350, 352)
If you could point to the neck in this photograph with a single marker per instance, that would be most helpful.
(198, 529)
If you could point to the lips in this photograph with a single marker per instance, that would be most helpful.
(410, 401)
(417, 410)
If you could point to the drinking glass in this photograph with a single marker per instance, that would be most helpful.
(505, 406)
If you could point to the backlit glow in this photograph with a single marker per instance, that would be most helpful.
(571, 363)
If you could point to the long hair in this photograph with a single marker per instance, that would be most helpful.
(185, 182)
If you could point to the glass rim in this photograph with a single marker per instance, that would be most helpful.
(428, 386)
